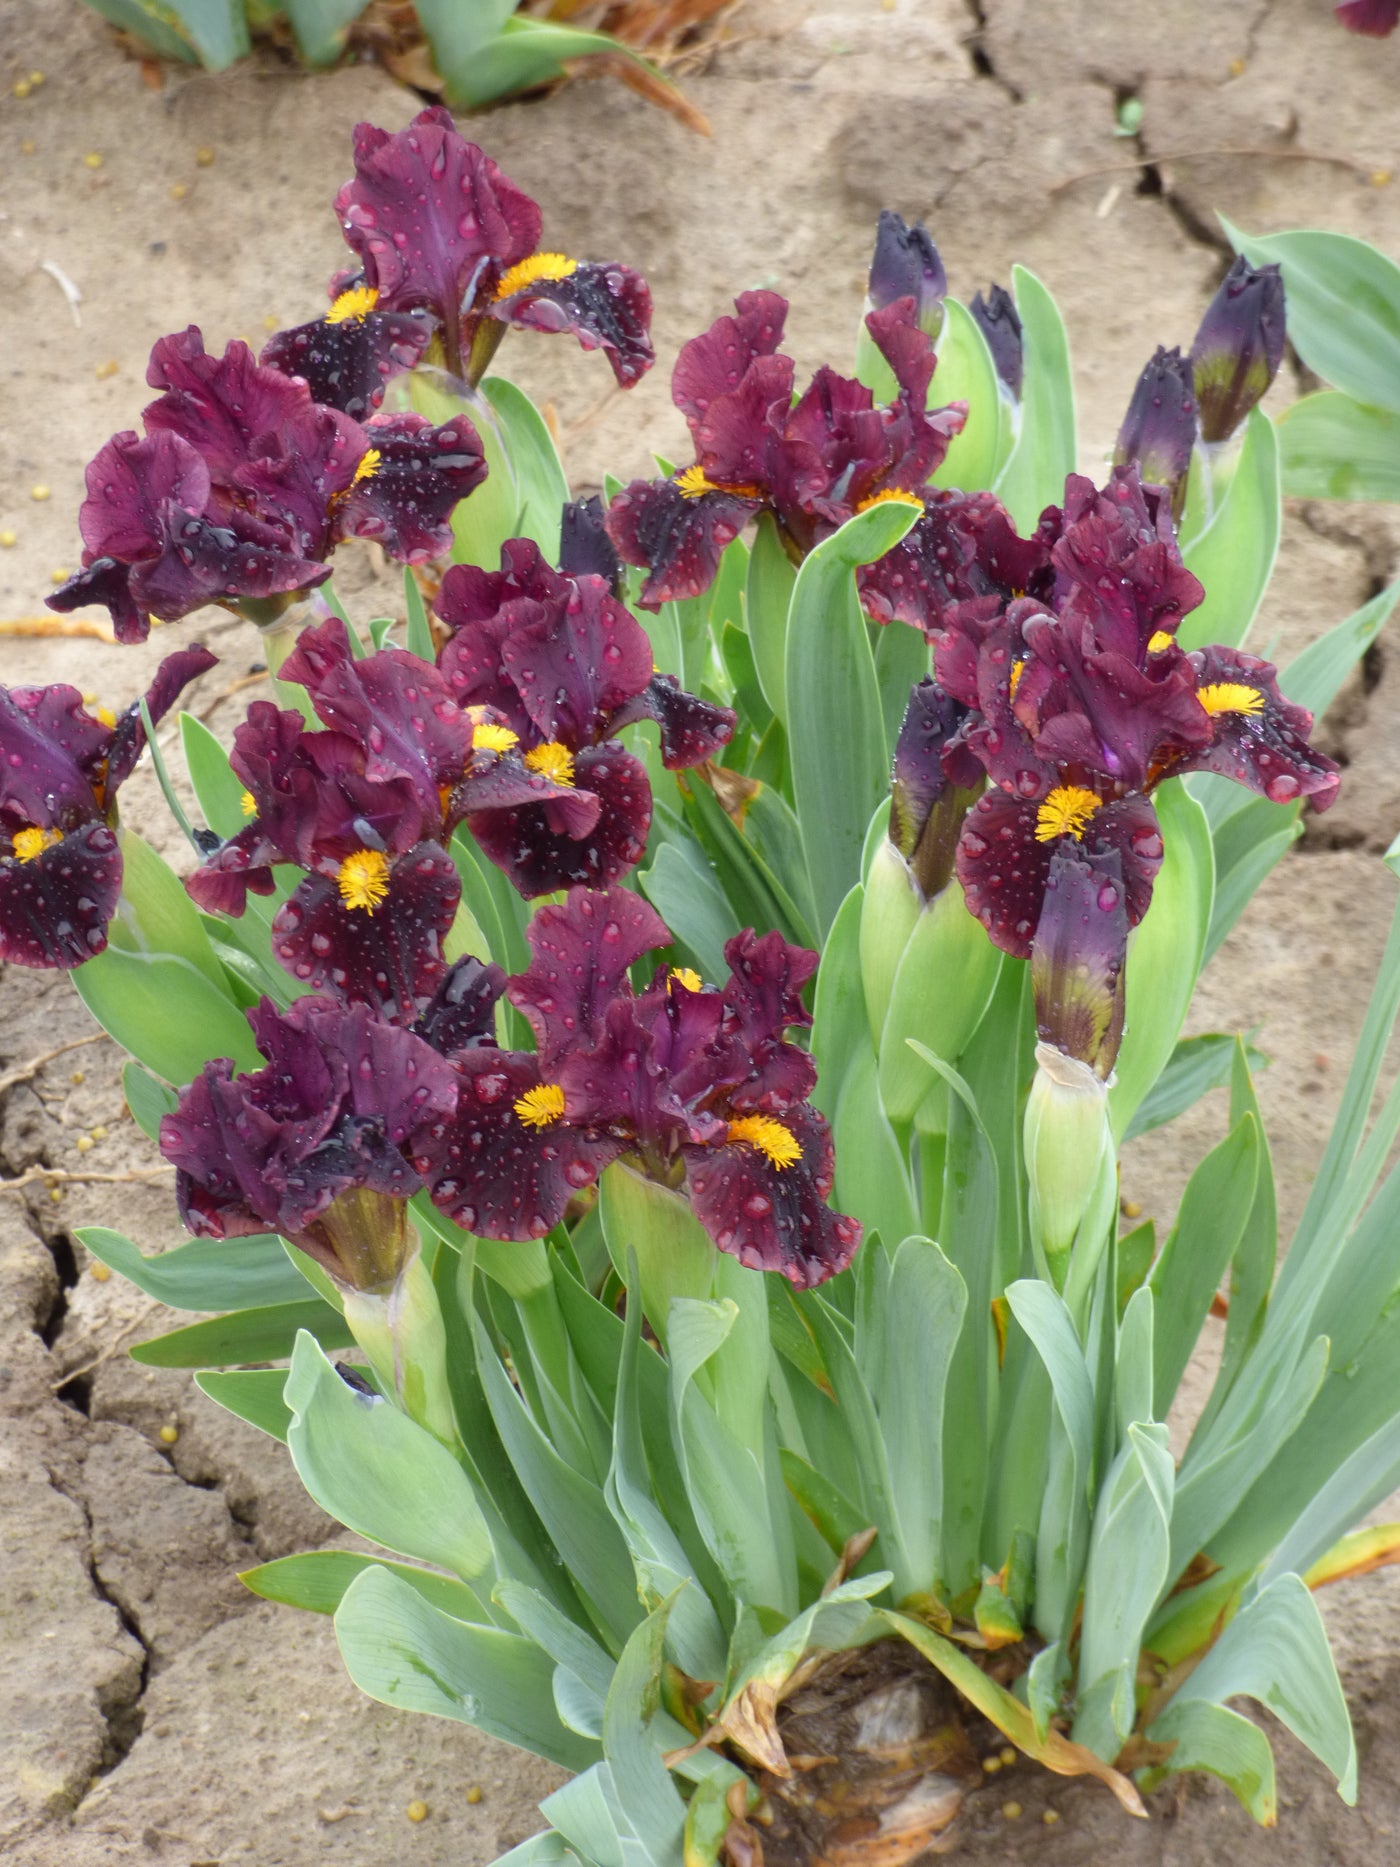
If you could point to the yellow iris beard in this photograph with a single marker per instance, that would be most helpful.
(552, 761)
(1230, 697)
(363, 880)
(1158, 642)
(489, 738)
(248, 804)
(1065, 812)
(353, 305)
(531, 271)
(691, 483)
(686, 976)
(895, 495)
(779, 1144)
(540, 1106)
(28, 844)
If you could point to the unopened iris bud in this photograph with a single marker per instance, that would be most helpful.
(1159, 429)
(926, 811)
(999, 321)
(1066, 1136)
(906, 264)
(1238, 348)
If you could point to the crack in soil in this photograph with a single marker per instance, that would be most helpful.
(981, 59)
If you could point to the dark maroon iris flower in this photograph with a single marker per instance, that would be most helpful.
(314, 1145)
(565, 666)
(964, 549)
(1081, 705)
(811, 463)
(366, 806)
(244, 485)
(438, 228)
(60, 770)
(690, 1085)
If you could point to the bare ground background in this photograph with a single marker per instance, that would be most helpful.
(152, 1711)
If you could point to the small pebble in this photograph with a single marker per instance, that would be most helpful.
(56, 1195)
(28, 146)
(21, 87)
(1379, 177)
(36, 78)
(416, 1811)
(99, 1133)
(92, 160)
(1131, 1209)
(7, 539)
(104, 370)
(1008, 1757)
(1050, 1817)
(78, 1076)
(474, 1794)
(990, 1765)
(169, 1434)
(39, 492)
(1012, 1811)
(204, 156)
(101, 1273)
(178, 190)
(84, 1143)
(269, 322)
(59, 575)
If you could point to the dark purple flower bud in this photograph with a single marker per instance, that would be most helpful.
(1078, 953)
(1239, 347)
(313, 1145)
(761, 1194)
(906, 265)
(585, 550)
(999, 321)
(1159, 429)
(607, 307)
(926, 809)
(60, 769)
(1376, 18)
(348, 357)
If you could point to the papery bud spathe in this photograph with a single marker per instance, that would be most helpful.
(1238, 347)
(402, 1332)
(1066, 1137)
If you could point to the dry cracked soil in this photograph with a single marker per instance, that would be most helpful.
(152, 1711)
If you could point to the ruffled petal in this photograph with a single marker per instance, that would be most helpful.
(418, 474)
(55, 907)
(462, 1013)
(715, 363)
(770, 1217)
(581, 952)
(535, 847)
(606, 306)
(347, 363)
(677, 538)
(220, 405)
(389, 956)
(1258, 738)
(496, 1172)
(692, 729)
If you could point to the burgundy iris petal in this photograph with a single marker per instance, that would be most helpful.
(692, 729)
(577, 665)
(505, 1164)
(428, 213)
(1257, 737)
(51, 751)
(220, 405)
(716, 362)
(762, 999)
(386, 954)
(581, 952)
(106, 582)
(347, 362)
(411, 480)
(679, 538)
(172, 677)
(607, 307)
(536, 848)
(55, 906)
(462, 1012)
(1077, 958)
(773, 1217)
(585, 550)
